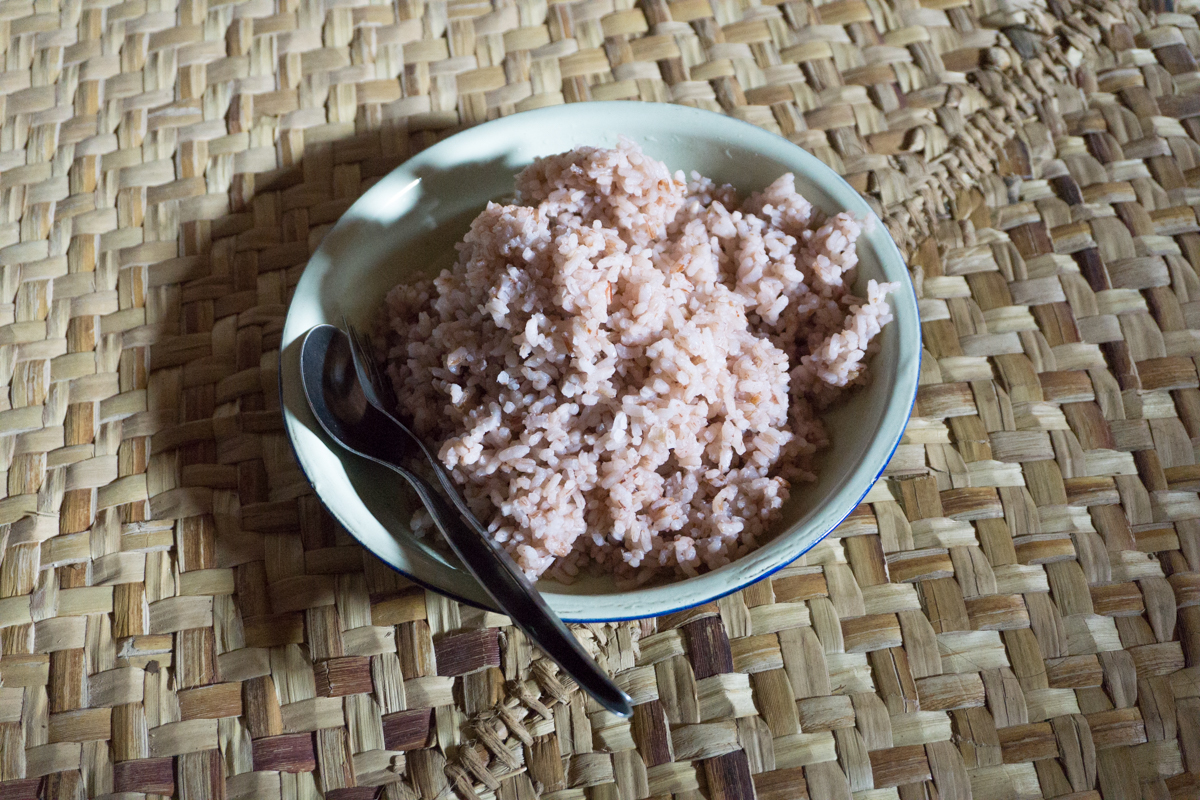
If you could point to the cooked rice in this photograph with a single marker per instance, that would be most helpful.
(626, 369)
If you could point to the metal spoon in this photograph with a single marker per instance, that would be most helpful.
(343, 409)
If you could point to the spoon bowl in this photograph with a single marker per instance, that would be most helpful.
(330, 382)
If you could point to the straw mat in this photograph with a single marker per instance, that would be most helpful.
(1014, 612)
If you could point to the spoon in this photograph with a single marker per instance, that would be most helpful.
(331, 375)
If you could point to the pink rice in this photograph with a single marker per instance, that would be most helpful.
(626, 369)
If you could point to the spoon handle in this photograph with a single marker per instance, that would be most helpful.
(514, 594)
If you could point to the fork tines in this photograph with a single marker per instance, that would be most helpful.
(365, 348)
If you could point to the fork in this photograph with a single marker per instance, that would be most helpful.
(486, 560)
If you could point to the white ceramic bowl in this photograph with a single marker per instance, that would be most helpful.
(408, 223)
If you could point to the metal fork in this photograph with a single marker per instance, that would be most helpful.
(376, 386)
(495, 570)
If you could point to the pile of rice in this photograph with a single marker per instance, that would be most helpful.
(625, 369)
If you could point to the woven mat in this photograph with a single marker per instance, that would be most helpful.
(1013, 613)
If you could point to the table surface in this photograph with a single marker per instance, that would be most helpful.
(1013, 613)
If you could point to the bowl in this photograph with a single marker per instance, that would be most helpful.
(409, 222)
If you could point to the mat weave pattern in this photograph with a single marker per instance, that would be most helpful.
(1013, 613)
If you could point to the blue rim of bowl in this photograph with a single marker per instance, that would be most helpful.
(739, 586)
